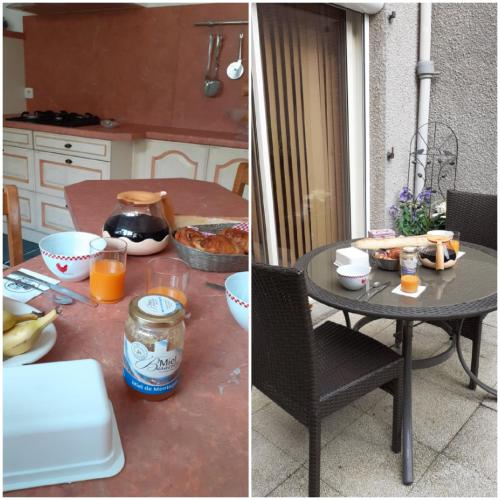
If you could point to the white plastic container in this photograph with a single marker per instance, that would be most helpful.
(351, 256)
(59, 425)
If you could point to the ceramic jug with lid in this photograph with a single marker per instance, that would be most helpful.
(143, 219)
(441, 254)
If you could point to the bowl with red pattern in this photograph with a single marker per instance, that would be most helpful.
(67, 254)
(353, 277)
(237, 297)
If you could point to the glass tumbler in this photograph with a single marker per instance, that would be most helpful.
(454, 243)
(168, 276)
(107, 269)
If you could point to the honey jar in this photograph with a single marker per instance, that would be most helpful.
(153, 346)
(408, 260)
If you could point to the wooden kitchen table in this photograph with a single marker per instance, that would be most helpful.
(196, 442)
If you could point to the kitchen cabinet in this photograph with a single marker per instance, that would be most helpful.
(52, 215)
(46, 163)
(154, 159)
(223, 164)
(54, 171)
(18, 137)
(19, 167)
(76, 146)
(27, 204)
(165, 159)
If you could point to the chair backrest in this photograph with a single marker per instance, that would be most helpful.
(241, 179)
(283, 339)
(12, 211)
(474, 215)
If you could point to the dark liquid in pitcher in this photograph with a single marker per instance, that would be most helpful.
(137, 228)
(430, 254)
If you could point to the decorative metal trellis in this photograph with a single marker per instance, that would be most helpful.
(435, 160)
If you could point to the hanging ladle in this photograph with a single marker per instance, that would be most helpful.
(235, 69)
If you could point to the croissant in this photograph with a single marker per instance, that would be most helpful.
(238, 237)
(187, 236)
(217, 244)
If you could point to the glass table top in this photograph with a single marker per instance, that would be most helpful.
(474, 277)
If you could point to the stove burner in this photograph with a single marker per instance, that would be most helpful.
(61, 118)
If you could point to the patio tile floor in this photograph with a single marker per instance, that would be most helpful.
(297, 484)
(454, 431)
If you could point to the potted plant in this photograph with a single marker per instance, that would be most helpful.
(414, 216)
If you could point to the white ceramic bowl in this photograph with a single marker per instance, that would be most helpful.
(67, 254)
(353, 277)
(237, 297)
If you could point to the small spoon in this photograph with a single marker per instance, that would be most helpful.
(375, 284)
(62, 300)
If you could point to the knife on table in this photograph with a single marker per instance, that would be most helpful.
(60, 289)
(373, 288)
(376, 290)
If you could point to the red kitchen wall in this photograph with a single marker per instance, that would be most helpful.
(143, 66)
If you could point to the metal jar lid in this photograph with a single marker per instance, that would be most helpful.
(156, 310)
(410, 249)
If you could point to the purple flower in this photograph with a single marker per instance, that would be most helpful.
(405, 194)
(393, 210)
(425, 195)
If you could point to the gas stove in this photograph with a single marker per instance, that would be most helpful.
(61, 118)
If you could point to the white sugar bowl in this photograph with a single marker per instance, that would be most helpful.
(353, 277)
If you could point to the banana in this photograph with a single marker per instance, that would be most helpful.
(10, 320)
(21, 338)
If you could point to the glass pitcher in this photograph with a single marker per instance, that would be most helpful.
(143, 219)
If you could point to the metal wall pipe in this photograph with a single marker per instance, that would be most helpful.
(425, 72)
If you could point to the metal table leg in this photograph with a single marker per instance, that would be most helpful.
(407, 410)
(472, 376)
(347, 319)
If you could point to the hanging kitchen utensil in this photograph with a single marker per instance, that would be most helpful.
(235, 69)
(212, 87)
(209, 63)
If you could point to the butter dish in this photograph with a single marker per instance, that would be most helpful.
(351, 256)
(59, 425)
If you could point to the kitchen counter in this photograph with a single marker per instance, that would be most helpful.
(133, 132)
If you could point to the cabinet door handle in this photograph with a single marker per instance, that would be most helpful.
(68, 145)
(69, 162)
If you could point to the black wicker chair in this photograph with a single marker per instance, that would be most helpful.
(475, 216)
(310, 372)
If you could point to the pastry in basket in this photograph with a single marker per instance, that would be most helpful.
(188, 236)
(390, 254)
(237, 236)
(217, 244)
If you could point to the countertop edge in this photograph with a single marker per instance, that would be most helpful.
(135, 132)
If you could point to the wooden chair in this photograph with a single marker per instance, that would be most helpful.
(12, 211)
(312, 373)
(241, 179)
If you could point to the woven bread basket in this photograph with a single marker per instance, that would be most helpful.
(213, 262)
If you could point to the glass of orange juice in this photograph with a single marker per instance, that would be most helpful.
(168, 276)
(107, 269)
(454, 243)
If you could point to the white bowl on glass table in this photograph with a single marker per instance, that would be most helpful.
(353, 277)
